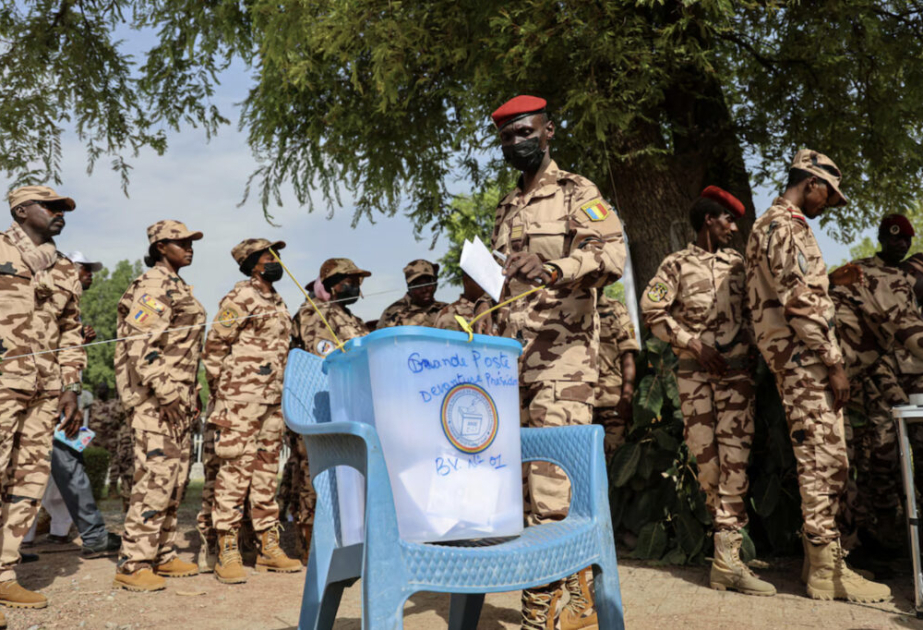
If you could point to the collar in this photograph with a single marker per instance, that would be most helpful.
(269, 295)
(548, 179)
(793, 210)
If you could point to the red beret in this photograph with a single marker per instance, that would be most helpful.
(517, 108)
(896, 224)
(726, 199)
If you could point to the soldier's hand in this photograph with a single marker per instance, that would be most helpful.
(172, 413)
(846, 275)
(839, 383)
(624, 406)
(485, 325)
(69, 413)
(89, 334)
(708, 358)
(527, 267)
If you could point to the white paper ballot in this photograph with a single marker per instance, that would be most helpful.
(479, 263)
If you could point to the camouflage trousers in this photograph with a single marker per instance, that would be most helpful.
(819, 442)
(125, 455)
(248, 438)
(551, 404)
(719, 426)
(302, 486)
(27, 422)
(210, 464)
(161, 464)
(616, 427)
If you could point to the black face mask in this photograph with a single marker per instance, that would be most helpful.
(525, 156)
(272, 272)
(349, 294)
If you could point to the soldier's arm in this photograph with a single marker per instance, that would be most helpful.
(657, 300)
(147, 318)
(625, 330)
(224, 331)
(905, 320)
(74, 358)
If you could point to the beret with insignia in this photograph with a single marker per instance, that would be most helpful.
(896, 224)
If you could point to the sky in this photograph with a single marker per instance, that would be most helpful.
(201, 183)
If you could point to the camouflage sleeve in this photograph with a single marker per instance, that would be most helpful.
(445, 319)
(74, 359)
(596, 255)
(625, 330)
(905, 319)
(147, 318)
(804, 305)
(389, 317)
(657, 300)
(224, 331)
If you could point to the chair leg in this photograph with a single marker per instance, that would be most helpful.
(608, 595)
(465, 610)
(320, 601)
(382, 606)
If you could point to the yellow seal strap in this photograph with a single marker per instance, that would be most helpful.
(468, 327)
(339, 344)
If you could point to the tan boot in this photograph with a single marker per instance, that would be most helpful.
(806, 565)
(541, 607)
(230, 567)
(729, 572)
(15, 596)
(271, 557)
(208, 552)
(140, 580)
(830, 578)
(176, 568)
(579, 613)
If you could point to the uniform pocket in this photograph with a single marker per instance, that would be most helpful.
(546, 239)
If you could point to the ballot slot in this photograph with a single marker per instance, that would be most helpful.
(447, 414)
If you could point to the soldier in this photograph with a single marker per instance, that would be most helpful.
(793, 322)
(696, 302)
(418, 307)
(155, 370)
(244, 358)
(40, 312)
(338, 286)
(615, 389)
(558, 232)
(126, 465)
(464, 306)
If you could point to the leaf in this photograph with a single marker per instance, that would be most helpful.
(675, 556)
(747, 548)
(645, 463)
(689, 532)
(650, 394)
(625, 463)
(652, 542)
(768, 499)
(666, 441)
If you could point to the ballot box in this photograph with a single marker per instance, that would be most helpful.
(447, 413)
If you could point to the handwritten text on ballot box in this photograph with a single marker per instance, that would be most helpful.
(447, 414)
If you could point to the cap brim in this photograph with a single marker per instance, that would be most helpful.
(420, 275)
(68, 203)
(95, 267)
(843, 200)
(278, 245)
(192, 236)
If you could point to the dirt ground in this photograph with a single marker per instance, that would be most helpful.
(81, 596)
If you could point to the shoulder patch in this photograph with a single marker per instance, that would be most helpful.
(146, 308)
(596, 210)
(148, 301)
(658, 292)
(802, 262)
(325, 347)
(228, 317)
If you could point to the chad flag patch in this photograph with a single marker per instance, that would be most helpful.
(152, 303)
(596, 210)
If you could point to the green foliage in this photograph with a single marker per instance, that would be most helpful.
(869, 246)
(616, 291)
(98, 309)
(467, 217)
(96, 462)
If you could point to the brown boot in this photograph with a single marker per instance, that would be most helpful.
(15, 596)
(541, 607)
(230, 567)
(271, 557)
(140, 580)
(580, 612)
(830, 578)
(176, 568)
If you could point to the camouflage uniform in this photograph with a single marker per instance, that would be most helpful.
(446, 317)
(404, 312)
(793, 319)
(699, 295)
(616, 337)
(126, 461)
(244, 363)
(106, 418)
(39, 311)
(152, 371)
(566, 223)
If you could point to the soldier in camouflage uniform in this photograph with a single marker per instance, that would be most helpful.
(463, 307)
(39, 311)
(126, 462)
(615, 388)
(106, 418)
(155, 370)
(244, 359)
(555, 230)
(793, 320)
(418, 307)
(339, 285)
(697, 303)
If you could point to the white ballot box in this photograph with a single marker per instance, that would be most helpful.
(447, 413)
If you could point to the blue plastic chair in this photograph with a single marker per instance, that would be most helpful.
(393, 569)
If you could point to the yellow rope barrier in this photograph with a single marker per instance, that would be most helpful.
(468, 326)
(339, 344)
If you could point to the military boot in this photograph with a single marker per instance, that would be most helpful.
(208, 552)
(729, 572)
(830, 578)
(140, 580)
(230, 567)
(540, 607)
(806, 564)
(15, 596)
(579, 612)
(271, 557)
(176, 568)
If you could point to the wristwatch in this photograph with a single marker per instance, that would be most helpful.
(77, 388)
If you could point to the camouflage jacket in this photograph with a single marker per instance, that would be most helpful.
(310, 333)
(793, 315)
(154, 361)
(877, 315)
(406, 313)
(247, 346)
(446, 317)
(616, 337)
(567, 223)
(699, 295)
(39, 311)
(105, 418)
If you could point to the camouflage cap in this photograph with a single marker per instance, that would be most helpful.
(252, 245)
(820, 165)
(417, 268)
(170, 230)
(343, 266)
(39, 193)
